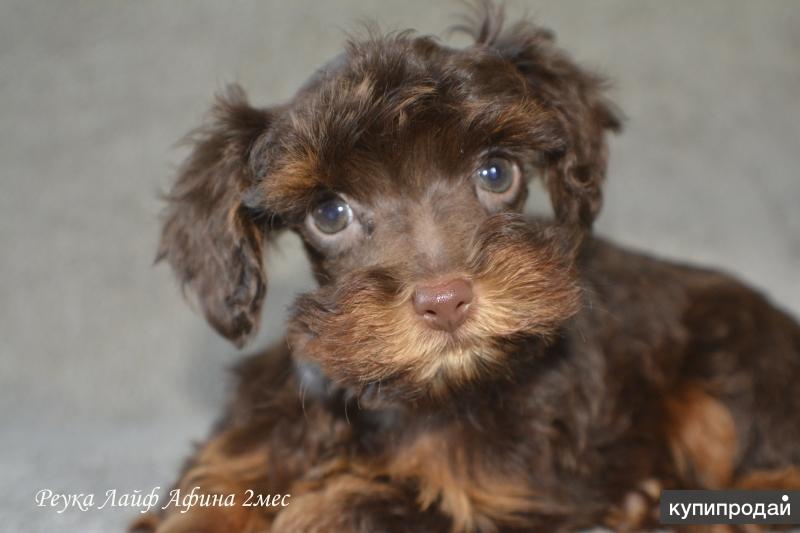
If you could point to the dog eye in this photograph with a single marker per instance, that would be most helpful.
(332, 216)
(497, 175)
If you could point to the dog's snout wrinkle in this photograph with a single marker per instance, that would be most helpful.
(444, 306)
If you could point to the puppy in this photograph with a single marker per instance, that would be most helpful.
(460, 367)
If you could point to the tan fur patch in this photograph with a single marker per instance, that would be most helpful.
(702, 436)
(780, 479)
(473, 495)
(215, 463)
(329, 507)
(216, 471)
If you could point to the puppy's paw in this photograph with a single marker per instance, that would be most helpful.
(638, 510)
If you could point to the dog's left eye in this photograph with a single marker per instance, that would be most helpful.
(497, 175)
(332, 216)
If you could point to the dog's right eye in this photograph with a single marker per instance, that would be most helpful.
(332, 215)
(497, 175)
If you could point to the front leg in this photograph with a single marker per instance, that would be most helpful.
(266, 442)
(218, 469)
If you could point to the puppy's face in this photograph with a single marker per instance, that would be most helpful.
(403, 165)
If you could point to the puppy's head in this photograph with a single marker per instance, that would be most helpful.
(403, 164)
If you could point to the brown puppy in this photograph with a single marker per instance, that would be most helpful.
(461, 368)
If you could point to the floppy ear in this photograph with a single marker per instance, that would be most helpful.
(212, 241)
(575, 96)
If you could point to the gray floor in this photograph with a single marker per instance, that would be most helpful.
(106, 375)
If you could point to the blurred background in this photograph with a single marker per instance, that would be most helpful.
(107, 376)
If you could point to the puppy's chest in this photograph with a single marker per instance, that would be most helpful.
(462, 476)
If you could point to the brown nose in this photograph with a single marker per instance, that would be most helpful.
(444, 306)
